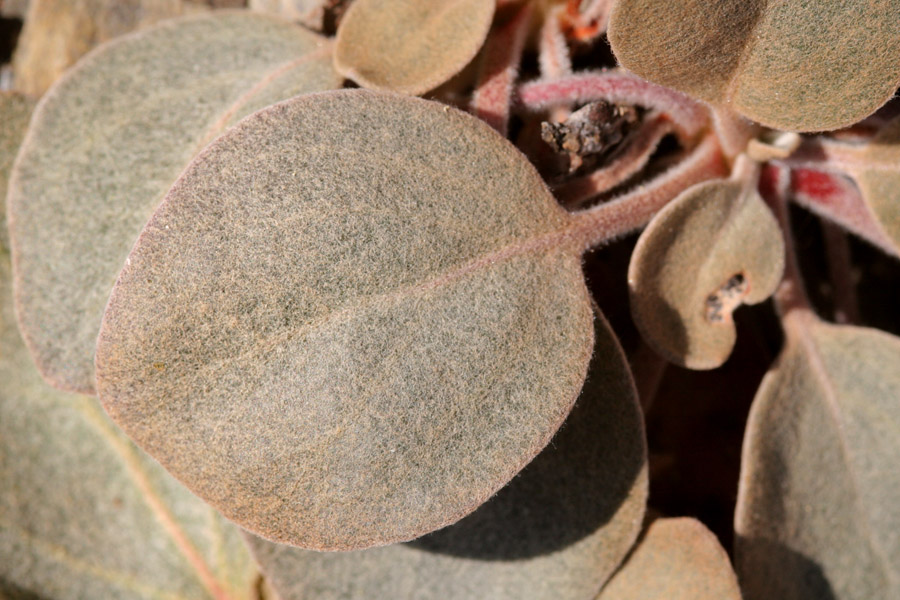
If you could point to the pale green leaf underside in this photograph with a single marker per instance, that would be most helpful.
(680, 278)
(675, 559)
(410, 47)
(352, 320)
(805, 66)
(77, 512)
(15, 112)
(817, 514)
(556, 532)
(109, 140)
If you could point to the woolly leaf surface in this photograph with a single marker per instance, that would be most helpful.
(84, 513)
(556, 531)
(815, 515)
(108, 141)
(15, 112)
(353, 319)
(410, 47)
(804, 66)
(714, 247)
(676, 559)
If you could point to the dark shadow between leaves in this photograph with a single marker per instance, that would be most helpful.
(10, 591)
(573, 487)
(769, 569)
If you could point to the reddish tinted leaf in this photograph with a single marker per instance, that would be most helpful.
(353, 319)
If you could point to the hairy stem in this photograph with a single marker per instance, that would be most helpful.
(501, 55)
(790, 297)
(603, 223)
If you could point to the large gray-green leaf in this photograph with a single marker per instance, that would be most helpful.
(809, 66)
(711, 249)
(675, 559)
(818, 513)
(108, 141)
(556, 532)
(352, 320)
(15, 112)
(85, 514)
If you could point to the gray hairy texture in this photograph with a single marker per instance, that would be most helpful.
(817, 513)
(410, 47)
(353, 319)
(675, 559)
(108, 141)
(15, 112)
(556, 532)
(711, 249)
(84, 513)
(790, 64)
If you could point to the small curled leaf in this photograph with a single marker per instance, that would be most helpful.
(675, 559)
(711, 249)
(816, 516)
(107, 142)
(343, 335)
(800, 66)
(555, 532)
(410, 47)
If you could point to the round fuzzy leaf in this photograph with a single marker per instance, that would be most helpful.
(353, 319)
(556, 532)
(85, 514)
(817, 515)
(711, 249)
(410, 47)
(15, 112)
(676, 559)
(108, 141)
(804, 66)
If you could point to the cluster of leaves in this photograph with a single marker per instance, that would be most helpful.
(266, 337)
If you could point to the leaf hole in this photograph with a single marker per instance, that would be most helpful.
(723, 301)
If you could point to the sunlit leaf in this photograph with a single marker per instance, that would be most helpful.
(713, 248)
(817, 515)
(410, 47)
(675, 559)
(557, 531)
(15, 111)
(57, 33)
(352, 320)
(85, 514)
(806, 66)
(108, 141)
